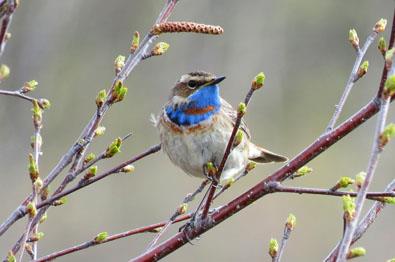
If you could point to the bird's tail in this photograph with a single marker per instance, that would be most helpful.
(261, 155)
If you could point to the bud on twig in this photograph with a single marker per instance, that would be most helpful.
(89, 157)
(102, 236)
(4, 72)
(119, 92)
(379, 27)
(113, 148)
(242, 109)
(119, 63)
(238, 138)
(160, 48)
(258, 81)
(36, 140)
(135, 42)
(389, 86)
(29, 86)
(304, 170)
(38, 184)
(177, 27)
(36, 237)
(343, 182)
(60, 201)
(360, 179)
(211, 169)
(101, 98)
(100, 130)
(128, 169)
(90, 173)
(382, 46)
(388, 133)
(44, 193)
(250, 166)
(37, 114)
(44, 103)
(33, 169)
(348, 207)
(356, 252)
(353, 38)
(273, 247)
(228, 182)
(362, 70)
(291, 222)
(31, 209)
(182, 209)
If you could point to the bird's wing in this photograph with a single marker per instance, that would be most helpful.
(231, 112)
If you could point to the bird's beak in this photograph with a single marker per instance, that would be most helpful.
(216, 80)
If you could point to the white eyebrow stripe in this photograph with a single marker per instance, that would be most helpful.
(184, 77)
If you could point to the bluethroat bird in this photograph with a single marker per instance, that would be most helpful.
(195, 126)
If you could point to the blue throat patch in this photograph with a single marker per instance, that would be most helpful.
(203, 104)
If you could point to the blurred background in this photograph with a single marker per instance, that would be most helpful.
(69, 48)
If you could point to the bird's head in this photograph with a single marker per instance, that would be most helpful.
(194, 82)
(194, 98)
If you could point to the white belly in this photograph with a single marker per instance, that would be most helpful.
(192, 150)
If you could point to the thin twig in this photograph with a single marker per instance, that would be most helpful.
(16, 93)
(351, 79)
(276, 187)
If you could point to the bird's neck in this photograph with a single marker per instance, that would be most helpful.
(200, 106)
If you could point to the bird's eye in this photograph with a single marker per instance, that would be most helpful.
(192, 84)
